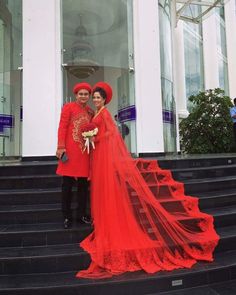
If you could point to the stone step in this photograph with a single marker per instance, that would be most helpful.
(28, 168)
(222, 288)
(180, 172)
(30, 196)
(70, 257)
(138, 283)
(41, 234)
(217, 199)
(183, 174)
(38, 256)
(55, 258)
(30, 182)
(52, 234)
(211, 199)
(223, 216)
(51, 213)
(54, 181)
(195, 161)
(196, 186)
(38, 167)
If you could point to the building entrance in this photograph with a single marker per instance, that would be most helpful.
(98, 46)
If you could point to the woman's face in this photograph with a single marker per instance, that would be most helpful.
(98, 100)
(82, 96)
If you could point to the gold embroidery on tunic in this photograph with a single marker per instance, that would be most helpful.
(78, 122)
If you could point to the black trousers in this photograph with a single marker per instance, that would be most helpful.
(234, 129)
(81, 196)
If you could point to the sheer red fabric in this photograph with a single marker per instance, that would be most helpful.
(142, 218)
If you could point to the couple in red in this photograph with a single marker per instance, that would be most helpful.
(142, 219)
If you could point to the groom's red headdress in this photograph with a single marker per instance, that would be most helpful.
(80, 86)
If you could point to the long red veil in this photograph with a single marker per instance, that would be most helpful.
(142, 217)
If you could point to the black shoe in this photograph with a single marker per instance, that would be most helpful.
(67, 223)
(84, 220)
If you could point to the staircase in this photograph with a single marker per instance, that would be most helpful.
(39, 257)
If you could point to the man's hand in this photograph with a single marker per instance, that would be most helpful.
(59, 152)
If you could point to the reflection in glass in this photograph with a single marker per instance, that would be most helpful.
(10, 77)
(98, 45)
(222, 50)
(223, 74)
(169, 130)
(193, 54)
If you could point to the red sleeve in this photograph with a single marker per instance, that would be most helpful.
(63, 125)
(110, 127)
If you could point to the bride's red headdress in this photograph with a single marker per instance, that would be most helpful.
(107, 88)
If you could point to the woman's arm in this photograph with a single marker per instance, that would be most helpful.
(110, 126)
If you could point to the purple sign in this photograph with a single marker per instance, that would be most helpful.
(127, 114)
(168, 116)
(6, 121)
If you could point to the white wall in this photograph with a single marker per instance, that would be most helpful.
(147, 77)
(42, 83)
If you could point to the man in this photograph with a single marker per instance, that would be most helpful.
(73, 163)
(123, 128)
(233, 116)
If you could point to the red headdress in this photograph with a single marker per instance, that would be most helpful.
(80, 86)
(107, 88)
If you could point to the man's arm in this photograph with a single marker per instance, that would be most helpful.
(233, 113)
(62, 130)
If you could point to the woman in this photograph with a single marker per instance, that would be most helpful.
(142, 219)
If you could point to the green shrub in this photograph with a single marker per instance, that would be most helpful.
(208, 128)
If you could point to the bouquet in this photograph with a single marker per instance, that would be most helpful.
(89, 131)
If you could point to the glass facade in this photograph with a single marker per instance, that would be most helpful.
(168, 101)
(10, 77)
(222, 50)
(193, 55)
(98, 46)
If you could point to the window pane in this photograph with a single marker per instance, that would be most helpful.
(10, 77)
(193, 55)
(222, 50)
(166, 77)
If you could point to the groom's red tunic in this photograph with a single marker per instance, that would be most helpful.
(73, 117)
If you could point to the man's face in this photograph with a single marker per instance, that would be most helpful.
(82, 96)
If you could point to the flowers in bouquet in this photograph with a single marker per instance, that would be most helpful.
(88, 132)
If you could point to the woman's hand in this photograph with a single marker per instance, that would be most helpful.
(92, 139)
(59, 152)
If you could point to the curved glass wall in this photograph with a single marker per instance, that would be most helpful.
(98, 46)
(168, 102)
(10, 77)
(193, 55)
(222, 50)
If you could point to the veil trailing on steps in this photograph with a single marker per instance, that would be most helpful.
(142, 218)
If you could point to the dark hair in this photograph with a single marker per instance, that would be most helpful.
(101, 92)
(235, 101)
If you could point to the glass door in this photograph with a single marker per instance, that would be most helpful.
(10, 80)
(98, 46)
